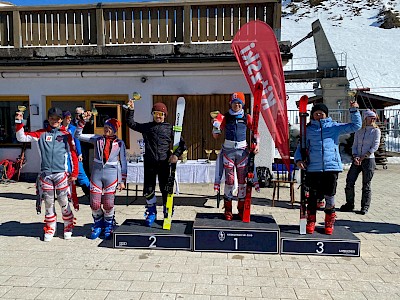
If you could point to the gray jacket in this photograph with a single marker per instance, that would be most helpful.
(366, 142)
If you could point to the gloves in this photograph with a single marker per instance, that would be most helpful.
(217, 187)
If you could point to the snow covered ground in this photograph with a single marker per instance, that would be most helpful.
(353, 31)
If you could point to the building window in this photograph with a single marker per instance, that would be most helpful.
(8, 107)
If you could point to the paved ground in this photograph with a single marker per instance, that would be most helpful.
(84, 269)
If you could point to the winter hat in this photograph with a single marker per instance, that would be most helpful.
(239, 97)
(55, 111)
(321, 107)
(113, 123)
(369, 113)
(160, 107)
(66, 113)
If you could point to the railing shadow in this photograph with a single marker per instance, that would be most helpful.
(369, 227)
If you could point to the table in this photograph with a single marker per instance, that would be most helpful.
(192, 171)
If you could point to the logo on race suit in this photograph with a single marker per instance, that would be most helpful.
(221, 236)
(49, 138)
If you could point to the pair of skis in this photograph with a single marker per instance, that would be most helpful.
(180, 110)
(254, 136)
(304, 192)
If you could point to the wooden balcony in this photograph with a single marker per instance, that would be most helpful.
(158, 28)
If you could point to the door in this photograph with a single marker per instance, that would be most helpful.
(197, 122)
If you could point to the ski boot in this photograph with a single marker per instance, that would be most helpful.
(50, 228)
(330, 216)
(240, 208)
(97, 228)
(228, 210)
(311, 219)
(108, 227)
(69, 223)
(150, 214)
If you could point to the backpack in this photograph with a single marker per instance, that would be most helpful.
(7, 169)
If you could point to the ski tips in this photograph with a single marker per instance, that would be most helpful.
(303, 103)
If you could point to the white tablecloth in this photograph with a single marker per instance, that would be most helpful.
(192, 171)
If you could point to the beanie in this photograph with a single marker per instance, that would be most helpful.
(113, 123)
(159, 106)
(66, 114)
(239, 97)
(321, 107)
(369, 113)
(55, 111)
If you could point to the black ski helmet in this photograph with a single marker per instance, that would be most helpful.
(55, 111)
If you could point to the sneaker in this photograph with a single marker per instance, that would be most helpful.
(68, 231)
(364, 211)
(48, 233)
(347, 208)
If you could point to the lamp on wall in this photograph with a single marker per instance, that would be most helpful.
(34, 109)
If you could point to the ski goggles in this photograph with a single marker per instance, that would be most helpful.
(158, 114)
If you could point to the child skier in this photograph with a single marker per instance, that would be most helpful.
(56, 146)
(108, 172)
(323, 162)
(158, 137)
(234, 154)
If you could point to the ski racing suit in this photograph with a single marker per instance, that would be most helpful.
(106, 174)
(56, 147)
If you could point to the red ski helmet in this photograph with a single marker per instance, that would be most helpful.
(159, 106)
(239, 97)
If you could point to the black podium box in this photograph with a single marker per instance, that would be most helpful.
(341, 243)
(134, 234)
(211, 233)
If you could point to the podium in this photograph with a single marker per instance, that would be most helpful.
(211, 233)
(134, 234)
(341, 243)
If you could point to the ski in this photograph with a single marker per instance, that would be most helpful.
(303, 149)
(180, 110)
(258, 89)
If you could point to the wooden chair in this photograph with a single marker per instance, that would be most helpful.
(281, 176)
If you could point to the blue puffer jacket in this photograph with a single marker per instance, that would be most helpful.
(323, 142)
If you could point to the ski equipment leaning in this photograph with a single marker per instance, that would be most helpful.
(304, 192)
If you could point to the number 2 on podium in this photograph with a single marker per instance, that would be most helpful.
(153, 240)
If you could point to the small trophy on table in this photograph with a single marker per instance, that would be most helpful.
(217, 152)
(184, 156)
(208, 152)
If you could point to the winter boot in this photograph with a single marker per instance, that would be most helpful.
(330, 216)
(97, 227)
(108, 227)
(68, 225)
(50, 228)
(240, 208)
(150, 214)
(311, 219)
(228, 210)
(347, 207)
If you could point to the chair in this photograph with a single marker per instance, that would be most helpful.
(283, 176)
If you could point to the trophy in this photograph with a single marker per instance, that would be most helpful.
(184, 156)
(208, 152)
(351, 94)
(217, 152)
(94, 112)
(21, 108)
(135, 97)
(216, 116)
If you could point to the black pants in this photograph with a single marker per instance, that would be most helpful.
(320, 184)
(367, 168)
(151, 170)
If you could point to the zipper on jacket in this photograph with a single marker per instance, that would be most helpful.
(322, 148)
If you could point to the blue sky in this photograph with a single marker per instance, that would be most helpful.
(51, 2)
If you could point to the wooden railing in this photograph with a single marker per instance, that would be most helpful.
(132, 23)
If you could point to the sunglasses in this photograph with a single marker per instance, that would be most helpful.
(158, 114)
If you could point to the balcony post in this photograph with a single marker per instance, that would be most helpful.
(187, 37)
(100, 27)
(17, 34)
